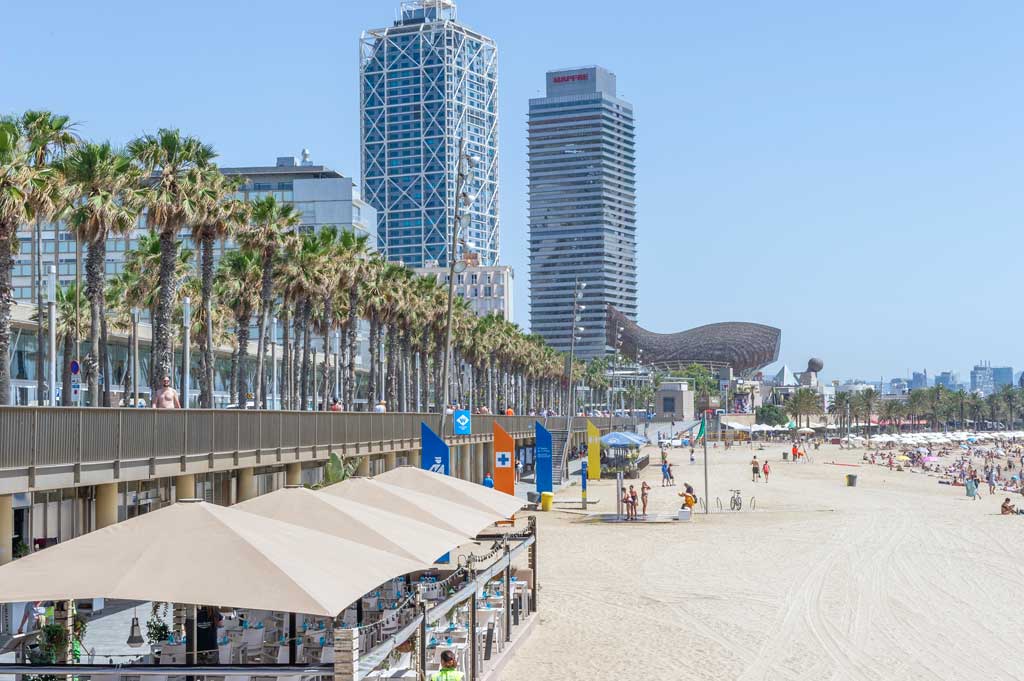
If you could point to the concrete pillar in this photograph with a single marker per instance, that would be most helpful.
(346, 654)
(478, 462)
(390, 462)
(416, 458)
(106, 505)
(246, 484)
(363, 470)
(185, 487)
(293, 473)
(6, 529)
(489, 458)
(465, 462)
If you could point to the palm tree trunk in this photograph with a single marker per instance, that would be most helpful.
(242, 330)
(207, 379)
(162, 360)
(390, 382)
(371, 378)
(424, 378)
(353, 337)
(65, 384)
(266, 296)
(233, 383)
(108, 370)
(9, 232)
(94, 274)
(285, 392)
(307, 343)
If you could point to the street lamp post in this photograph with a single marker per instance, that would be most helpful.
(577, 308)
(273, 363)
(51, 316)
(186, 353)
(135, 357)
(463, 201)
(614, 376)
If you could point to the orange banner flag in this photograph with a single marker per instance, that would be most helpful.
(504, 461)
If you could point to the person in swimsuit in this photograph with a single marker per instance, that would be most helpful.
(645, 490)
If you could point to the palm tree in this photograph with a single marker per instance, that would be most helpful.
(354, 267)
(19, 180)
(839, 408)
(171, 201)
(936, 396)
(237, 286)
(867, 400)
(50, 136)
(103, 181)
(1009, 395)
(994, 402)
(892, 411)
(222, 216)
(917, 405)
(266, 236)
(804, 402)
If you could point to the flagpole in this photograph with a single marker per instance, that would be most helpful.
(707, 492)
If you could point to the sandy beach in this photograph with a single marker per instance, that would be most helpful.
(897, 578)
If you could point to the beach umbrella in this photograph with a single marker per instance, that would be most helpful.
(903, 457)
(806, 431)
(922, 450)
(200, 553)
(351, 520)
(965, 447)
(620, 440)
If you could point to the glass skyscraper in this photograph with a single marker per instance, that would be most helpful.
(582, 207)
(428, 83)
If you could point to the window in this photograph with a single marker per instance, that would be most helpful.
(668, 404)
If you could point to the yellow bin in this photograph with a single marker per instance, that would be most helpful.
(547, 499)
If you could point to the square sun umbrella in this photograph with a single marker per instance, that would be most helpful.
(347, 519)
(454, 489)
(426, 508)
(202, 554)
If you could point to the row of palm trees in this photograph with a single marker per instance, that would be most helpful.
(318, 285)
(936, 406)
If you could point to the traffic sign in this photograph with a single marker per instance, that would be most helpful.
(75, 367)
(76, 390)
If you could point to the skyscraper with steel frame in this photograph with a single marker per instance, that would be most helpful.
(428, 84)
(582, 163)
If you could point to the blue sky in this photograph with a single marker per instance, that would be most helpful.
(849, 172)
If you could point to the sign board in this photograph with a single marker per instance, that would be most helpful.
(504, 461)
(463, 422)
(76, 390)
(75, 367)
(543, 467)
(723, 385)
(593, 460)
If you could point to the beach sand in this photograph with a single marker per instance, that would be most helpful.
(897, 578)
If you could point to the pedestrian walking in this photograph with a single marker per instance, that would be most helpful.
(755, 468)
(766, 469)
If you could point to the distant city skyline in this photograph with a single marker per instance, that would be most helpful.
(801, 166)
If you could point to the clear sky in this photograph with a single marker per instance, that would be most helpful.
(851, 172)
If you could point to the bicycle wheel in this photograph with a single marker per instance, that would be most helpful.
(734, 504)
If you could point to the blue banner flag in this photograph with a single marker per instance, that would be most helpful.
(435, 456)
(463, 422)
(542, 466)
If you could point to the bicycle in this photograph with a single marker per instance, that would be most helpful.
(736, 503)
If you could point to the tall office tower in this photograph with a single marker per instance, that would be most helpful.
(429, 85)
(582, 207)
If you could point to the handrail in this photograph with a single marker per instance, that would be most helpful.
(37, 437)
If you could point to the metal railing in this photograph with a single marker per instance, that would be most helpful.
(61, 436)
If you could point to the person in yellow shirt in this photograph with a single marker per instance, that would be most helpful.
(448, 671)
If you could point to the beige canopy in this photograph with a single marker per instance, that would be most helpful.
(195, 552)
(357, 522)
(427, 508)
(460, 491)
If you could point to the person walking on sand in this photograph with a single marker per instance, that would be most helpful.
(755, 469)
(767, 470)
(645, 490)
(664, 474)
(671, 476)
(166, 397)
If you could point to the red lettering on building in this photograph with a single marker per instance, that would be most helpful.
(572, 78)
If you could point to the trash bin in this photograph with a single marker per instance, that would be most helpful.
(785, 456)
(547, 500)
(851, 480)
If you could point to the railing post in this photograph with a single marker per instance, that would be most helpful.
(346, 654)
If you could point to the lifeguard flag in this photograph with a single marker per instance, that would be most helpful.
(593, 452)
(504, 461)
